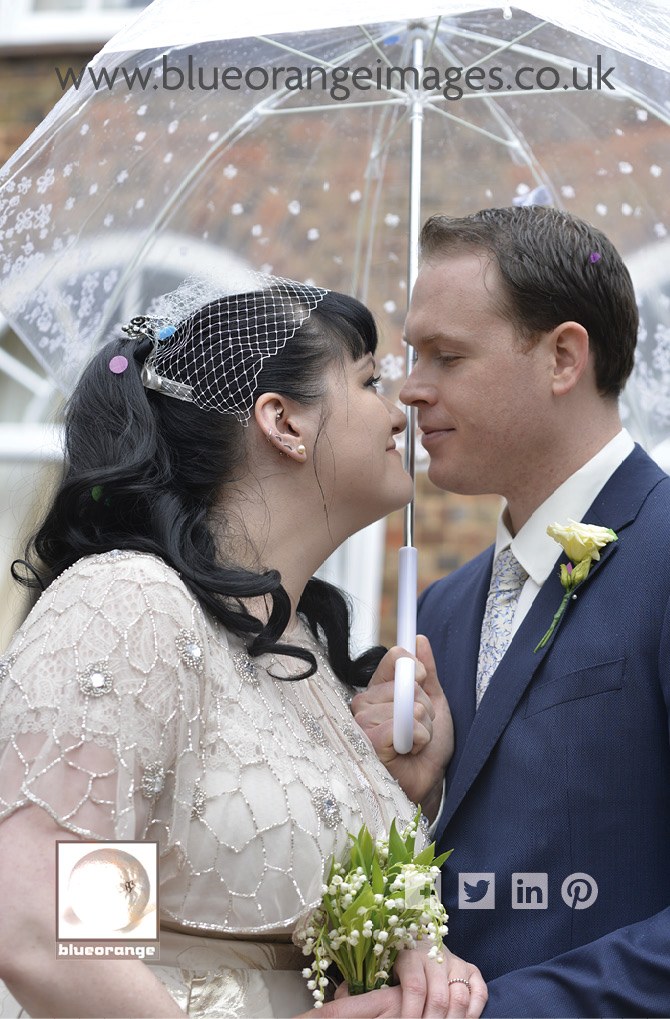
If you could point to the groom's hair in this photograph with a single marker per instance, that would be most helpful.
(553, 268)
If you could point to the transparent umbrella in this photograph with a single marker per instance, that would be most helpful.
(287, 139)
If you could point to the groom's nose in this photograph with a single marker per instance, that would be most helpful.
(415, 389)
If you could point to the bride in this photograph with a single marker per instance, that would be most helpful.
(183, 678)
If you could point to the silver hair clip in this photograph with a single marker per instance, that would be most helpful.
(144, 327)
(140, 327)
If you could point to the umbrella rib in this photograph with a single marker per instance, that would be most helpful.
(513, 43)
(384, 145)
(563, 62)
(300, 53)
(560, 61)
(341, 60)
(432, 40)
(319, 60)
(375, 46)
(514, 140)
(328, 107)
(508, 142)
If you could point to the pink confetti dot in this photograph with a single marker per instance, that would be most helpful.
(118, 364)
(595, 257)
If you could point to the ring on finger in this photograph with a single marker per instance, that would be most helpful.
(459, 980)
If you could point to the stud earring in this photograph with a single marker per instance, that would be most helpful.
(300, 449)
(279, 414)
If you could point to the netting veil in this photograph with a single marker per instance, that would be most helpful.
(209, 346)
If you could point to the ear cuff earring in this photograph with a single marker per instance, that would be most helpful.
(286, 445)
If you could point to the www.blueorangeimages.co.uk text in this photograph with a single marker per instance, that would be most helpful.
(339, 82)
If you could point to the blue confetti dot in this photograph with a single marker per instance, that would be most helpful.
(166, 332)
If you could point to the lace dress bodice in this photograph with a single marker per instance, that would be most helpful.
(128, 713)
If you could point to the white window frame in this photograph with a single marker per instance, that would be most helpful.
(22, 25)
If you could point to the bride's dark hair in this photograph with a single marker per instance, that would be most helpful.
(143, 471)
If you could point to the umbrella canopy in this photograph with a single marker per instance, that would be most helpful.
(278, 138)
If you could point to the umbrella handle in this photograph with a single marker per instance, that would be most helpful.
(403, 689)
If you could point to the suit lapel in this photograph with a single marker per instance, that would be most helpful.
(506, 687)
(615, 507)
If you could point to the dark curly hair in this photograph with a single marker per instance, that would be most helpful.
(156, 466)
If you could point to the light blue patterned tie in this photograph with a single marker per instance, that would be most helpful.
(507, 580)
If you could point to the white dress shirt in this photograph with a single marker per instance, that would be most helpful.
(532, 546)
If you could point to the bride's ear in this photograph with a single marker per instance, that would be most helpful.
(281, 425)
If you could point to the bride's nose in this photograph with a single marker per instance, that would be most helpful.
(398, 418)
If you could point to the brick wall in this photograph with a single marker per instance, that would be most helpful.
(29, 88)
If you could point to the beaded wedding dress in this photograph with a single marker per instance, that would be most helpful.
(127, 713)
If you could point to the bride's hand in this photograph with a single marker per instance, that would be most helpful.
(382, 1004)
(420, 773)
(452, 989)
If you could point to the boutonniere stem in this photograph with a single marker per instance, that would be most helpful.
(582, 543)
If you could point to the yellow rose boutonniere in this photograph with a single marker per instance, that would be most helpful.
(582, 544)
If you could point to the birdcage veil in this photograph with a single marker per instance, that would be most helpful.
(209, 345)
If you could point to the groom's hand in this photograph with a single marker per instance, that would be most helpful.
(421, 772)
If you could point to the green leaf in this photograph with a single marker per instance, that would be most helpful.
(397, 851)
(377, 877)
(440, 860)
(367, 850)
(426, 856)
(365, 898)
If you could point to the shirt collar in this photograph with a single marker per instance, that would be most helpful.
(532, 546)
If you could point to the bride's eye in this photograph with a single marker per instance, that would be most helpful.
(374, 381)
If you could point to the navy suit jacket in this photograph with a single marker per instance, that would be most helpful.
(565, 769)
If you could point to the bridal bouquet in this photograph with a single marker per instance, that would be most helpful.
(380, 899)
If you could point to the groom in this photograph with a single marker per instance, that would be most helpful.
(558, 795)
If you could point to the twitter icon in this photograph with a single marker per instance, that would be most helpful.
(476, 891)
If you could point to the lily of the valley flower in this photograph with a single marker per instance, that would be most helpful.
(582, 543)
(380, 900)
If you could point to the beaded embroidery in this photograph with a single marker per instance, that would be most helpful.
(153, 780)
(246, 667)
(95, 680)
(199, 802)
(314, 729)
(6, 664)
(327, 807)
(115, 555)
(356, 740)
(190, 649)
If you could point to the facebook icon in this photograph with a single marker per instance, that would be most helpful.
(530, 891)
